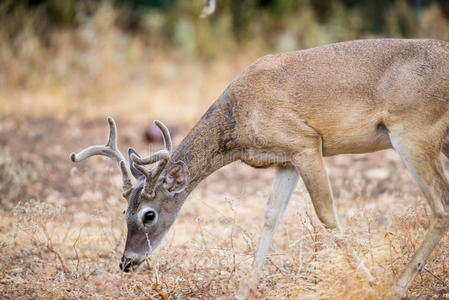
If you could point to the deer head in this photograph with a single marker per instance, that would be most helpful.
(153, 204)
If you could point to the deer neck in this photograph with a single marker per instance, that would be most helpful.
(210, 145)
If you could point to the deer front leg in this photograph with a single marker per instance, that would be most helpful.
(284, 183)
(309, 163)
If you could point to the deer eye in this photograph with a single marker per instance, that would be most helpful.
(149, 216)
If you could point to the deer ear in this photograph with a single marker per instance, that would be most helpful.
(136, 173)
(176, 178)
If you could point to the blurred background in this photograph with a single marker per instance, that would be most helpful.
(64, 57)
(67, 64)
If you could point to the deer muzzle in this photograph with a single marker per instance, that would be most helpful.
(131, 262)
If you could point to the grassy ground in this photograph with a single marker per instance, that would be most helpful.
(62, 229)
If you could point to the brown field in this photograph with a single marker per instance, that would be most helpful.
(61, 225)
(62, 229)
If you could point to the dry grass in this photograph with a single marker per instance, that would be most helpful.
(62, 229)
(65, 239)
(97, 70)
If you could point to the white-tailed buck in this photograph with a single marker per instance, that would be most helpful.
(288, 111)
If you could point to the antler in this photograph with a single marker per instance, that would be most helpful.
(161, 157)
(110, 150)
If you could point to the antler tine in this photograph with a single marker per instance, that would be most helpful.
(112, 140)
(127, 184)
(165, 134)
(110, 150)
(161, 157)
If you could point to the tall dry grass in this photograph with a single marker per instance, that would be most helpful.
(96, 68)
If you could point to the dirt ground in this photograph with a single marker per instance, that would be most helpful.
(62, 230)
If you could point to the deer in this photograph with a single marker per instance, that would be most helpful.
(288, 111)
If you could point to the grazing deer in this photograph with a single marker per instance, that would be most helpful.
(288, 111)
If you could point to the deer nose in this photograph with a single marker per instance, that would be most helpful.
(125, 265)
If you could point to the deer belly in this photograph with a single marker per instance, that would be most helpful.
(362, 140)
(264, 159)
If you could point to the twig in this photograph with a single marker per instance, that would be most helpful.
(390, 242)
(76, 251)
(276, 266)
(435, 276)
(233, 255)
(148, 296)
(50, 247)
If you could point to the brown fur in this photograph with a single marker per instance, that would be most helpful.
(342, 93)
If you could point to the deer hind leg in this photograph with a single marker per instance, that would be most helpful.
(420, 153)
